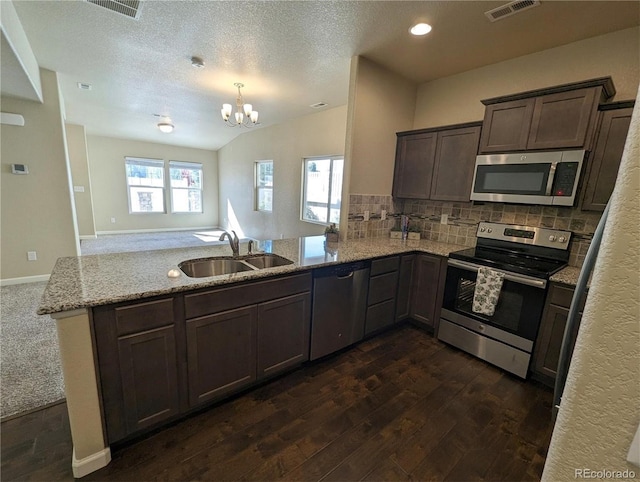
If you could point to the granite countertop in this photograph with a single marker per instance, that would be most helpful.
(86, 281)
(568, 275)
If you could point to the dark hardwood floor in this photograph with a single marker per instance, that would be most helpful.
(401, 406)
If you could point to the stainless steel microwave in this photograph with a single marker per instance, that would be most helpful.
(528, 178)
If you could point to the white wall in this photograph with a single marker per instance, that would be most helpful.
(382, 103)
(456, 99)
(286, 144)
(36, 209)
(599, 413)
(109, 189)
(80, 176)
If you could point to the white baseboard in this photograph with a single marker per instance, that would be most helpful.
(24, 279)
(91, 463)
(88, 236)
(161, 230)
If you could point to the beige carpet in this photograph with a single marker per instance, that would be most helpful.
(30, 371)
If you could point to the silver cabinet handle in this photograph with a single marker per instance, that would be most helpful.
(516, 278)
(346, 276)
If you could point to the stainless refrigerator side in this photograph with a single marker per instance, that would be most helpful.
(572, 318)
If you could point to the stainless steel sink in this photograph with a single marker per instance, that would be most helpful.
(268, 260)
(200, 268)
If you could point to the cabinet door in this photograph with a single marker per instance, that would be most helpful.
(427, 289)
(283, 333)
(549, 342)
(403, 299)
(454, 164)
(139, 349)
(148, 370)
(604, 161)
(506, 126)
(563, 120)
(221, 353)
(414, 165)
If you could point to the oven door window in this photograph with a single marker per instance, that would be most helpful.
(519, 307)
(530, 179)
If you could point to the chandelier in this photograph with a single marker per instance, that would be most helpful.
(244, 115)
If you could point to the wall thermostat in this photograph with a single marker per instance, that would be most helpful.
(19, 169)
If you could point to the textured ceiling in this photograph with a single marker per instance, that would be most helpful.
(289, 54)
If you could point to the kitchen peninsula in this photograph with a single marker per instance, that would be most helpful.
(127, 303)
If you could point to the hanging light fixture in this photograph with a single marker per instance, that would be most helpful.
(244, 115)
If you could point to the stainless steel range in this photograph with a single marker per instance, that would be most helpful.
(522, 258)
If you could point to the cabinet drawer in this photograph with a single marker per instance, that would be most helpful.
(382, 287)
(379, 316)
(384, 265)
(144, 316)
(562, 295)
(222, 299)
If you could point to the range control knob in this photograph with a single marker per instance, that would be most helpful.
(552, 238)
(489, 230)
(562, 239)
(482, 230)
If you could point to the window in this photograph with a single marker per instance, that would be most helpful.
(264, 186)
(186, 187)
(145, 185)
(322, 189)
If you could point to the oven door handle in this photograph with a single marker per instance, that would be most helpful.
(515, 277)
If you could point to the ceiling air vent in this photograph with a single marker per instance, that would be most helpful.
(319, 105)
(511, 9)
(128, 8)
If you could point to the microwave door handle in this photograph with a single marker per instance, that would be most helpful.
(552, 175)
(515, 277)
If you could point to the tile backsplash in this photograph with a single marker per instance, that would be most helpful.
(463, 219)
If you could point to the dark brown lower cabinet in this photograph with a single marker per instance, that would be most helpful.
(428, 289)
(405, 276)
(221, 353)
(549, 341)
(283, 334)
(381, 299)
(139, 348)
(149, 372)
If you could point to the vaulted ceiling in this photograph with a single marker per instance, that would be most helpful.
(289, 54)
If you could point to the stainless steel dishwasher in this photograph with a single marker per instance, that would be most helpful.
(339, 307)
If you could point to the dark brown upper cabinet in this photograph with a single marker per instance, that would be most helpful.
(436, 163)
(415, 154)
(562, 117)
(604, 160)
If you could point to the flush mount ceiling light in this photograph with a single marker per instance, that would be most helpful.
(244, 115)
(197, 62)
(420, 29)
(166, 127)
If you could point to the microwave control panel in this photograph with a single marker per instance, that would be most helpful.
(564, 181)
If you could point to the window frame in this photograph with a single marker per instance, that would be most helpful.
(148, 162)
(303, 197)
(257, 188)
(186, 165)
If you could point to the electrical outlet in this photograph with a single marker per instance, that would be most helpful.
(366, 215)
(383, 215)
(32, 256)
(78, 188)
(113, 220)
(444, 219)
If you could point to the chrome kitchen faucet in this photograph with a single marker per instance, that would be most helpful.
(234, 242)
